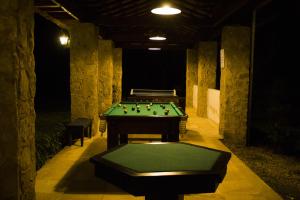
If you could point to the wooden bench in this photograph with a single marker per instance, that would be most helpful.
(79, 126)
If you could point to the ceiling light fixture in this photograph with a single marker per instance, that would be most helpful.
(154, 49)
(157, 38)
(166, 10)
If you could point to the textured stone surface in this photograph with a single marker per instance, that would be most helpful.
(235, 83)
(207, 66)
(117, 75)
(17, 91)
(105, 74)
(84, 73)
(191, 75)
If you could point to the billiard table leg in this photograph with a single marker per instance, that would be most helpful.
(164, 197)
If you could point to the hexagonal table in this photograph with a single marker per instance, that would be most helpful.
(164, 170)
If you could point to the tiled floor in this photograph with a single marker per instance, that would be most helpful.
(70, 176)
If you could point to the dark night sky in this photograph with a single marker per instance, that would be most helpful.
(51, 66)
(165, 69)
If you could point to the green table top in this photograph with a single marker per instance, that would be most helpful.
(156, 109)
(162, 157)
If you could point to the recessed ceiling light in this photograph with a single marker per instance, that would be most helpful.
(154, 49)
(157, 38)
(166, 10)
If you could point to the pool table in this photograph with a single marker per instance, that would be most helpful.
(165, 170)
(152, 118)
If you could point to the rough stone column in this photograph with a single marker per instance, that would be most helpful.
(17, 91)
(105, 75)
(84, 72)
(117, 75)
(235, 83)
(191, 75)
(207, 67)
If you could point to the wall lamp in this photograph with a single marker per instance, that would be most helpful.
(64, 38)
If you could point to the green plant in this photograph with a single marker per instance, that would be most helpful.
(50, 136)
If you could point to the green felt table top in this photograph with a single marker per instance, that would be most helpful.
(118, 109)
(162, 157)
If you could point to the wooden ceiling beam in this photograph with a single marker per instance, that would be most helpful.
(59, 23)
(134, 37)
(170, 21)
(226, 9)
(190, 8)
(145, 45)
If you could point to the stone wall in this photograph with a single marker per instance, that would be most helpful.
(105, 74)
(191, 75)
(117, 75)
(207, 66)
(84, 72)
(17, 91)
(235, 83)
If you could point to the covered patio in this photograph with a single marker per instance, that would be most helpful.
(70, 176)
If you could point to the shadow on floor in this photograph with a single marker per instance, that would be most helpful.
(80, 179)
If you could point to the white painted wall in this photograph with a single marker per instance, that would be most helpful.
(213, 105)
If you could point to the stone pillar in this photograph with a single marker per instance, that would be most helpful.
(207, 67)
(17, 91)
(84, 72)
(105, 84)
(191, 75)
(235, 83)
(117, 75)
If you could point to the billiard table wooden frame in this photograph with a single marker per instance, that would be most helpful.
(118, 127)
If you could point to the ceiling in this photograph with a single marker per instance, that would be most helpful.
(129, 23)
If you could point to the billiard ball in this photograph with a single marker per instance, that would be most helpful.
(125, 110)
(138, 110)
(166, 112)
(154, 112)
(124, 106)
(120, 105)
(163, 106)
(150, 104)
(133, 108)
(138, 107)
(148, 108)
